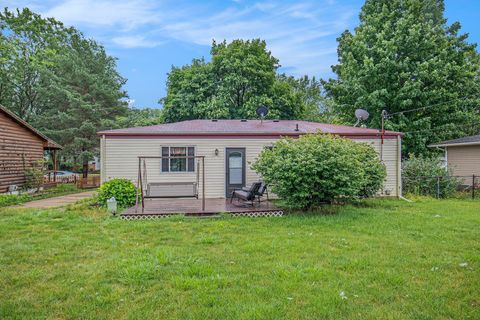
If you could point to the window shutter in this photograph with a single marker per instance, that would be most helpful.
(165, 153)
(191, 161)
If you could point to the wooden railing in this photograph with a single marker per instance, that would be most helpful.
(92, 181)
(49, 177)
(89, 182)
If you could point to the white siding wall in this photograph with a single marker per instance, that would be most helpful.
(119, 160)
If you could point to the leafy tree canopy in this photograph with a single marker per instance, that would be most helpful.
(65, 85)
(240, 77)
(404, 56)
(317, 107)
(138, 118)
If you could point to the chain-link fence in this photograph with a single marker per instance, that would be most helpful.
(442, 186)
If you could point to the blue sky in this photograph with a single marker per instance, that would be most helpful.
(148, 37)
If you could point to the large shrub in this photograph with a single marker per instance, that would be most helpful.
(427, 176)
(123, 190)
(34, 175)
(320, 168)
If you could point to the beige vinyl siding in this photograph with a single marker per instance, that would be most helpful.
(464, 161)
(120, 160)
(391, 159)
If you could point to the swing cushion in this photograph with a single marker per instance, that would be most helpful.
(172, 190)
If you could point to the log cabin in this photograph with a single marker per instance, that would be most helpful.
(21, 145)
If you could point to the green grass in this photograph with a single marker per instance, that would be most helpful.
(60, 190)
(391, 260)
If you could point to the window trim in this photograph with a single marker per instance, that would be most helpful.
(169, 154)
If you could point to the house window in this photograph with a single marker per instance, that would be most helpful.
(178, 164)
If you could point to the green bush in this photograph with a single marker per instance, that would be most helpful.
(123, 190)
(319, 168)
(12, 199)
(426, 176)
(34, 175)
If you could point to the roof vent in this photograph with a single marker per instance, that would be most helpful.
(243, 120)
(214, 120)
(276, 120)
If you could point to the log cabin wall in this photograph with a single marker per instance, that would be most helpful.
(19, 148)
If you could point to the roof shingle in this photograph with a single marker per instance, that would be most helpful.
(460, 141)
(245, 128)
(49, 143)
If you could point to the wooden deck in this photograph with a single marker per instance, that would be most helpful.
(157, 208)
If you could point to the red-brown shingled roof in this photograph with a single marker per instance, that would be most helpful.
(48, 143)
(245, 128)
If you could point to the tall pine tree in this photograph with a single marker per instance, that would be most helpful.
(405, 56)
(65, 85)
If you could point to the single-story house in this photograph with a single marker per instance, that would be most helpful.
(21, 146)
(462, 156)
(229, 146)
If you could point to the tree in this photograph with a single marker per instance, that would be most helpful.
(310, 91)
(244, 74)
(139, 118)
(65, 85)
(404, 56)
(240, 77)
(28, 45)
(78, 95)
(190, 91)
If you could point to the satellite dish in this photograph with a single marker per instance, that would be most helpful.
(262, 111)
(361, 114)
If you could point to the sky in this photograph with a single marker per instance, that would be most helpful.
(148, 37)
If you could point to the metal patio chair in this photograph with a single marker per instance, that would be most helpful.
(247, 196)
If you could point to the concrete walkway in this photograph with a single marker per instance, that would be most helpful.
(56, 201)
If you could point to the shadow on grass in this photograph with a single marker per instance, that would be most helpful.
(343, 206)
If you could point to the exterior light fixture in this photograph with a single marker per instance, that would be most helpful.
(216, 152)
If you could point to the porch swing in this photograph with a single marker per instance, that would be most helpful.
(168, 189)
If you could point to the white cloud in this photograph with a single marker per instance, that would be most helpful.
(296, 33)
(300, 33)
(109, 13)
(135, 42)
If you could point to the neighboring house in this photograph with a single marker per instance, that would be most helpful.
(462, 156)
(21, 145)
(229, 147)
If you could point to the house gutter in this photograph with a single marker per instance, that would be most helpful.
(454, 144)
(238, 135)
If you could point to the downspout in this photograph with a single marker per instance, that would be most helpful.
(399, 170)
(446, 158)
(102, 159)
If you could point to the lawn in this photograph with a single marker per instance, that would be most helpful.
(382, 259)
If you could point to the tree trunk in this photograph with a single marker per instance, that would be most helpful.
(85, 168)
